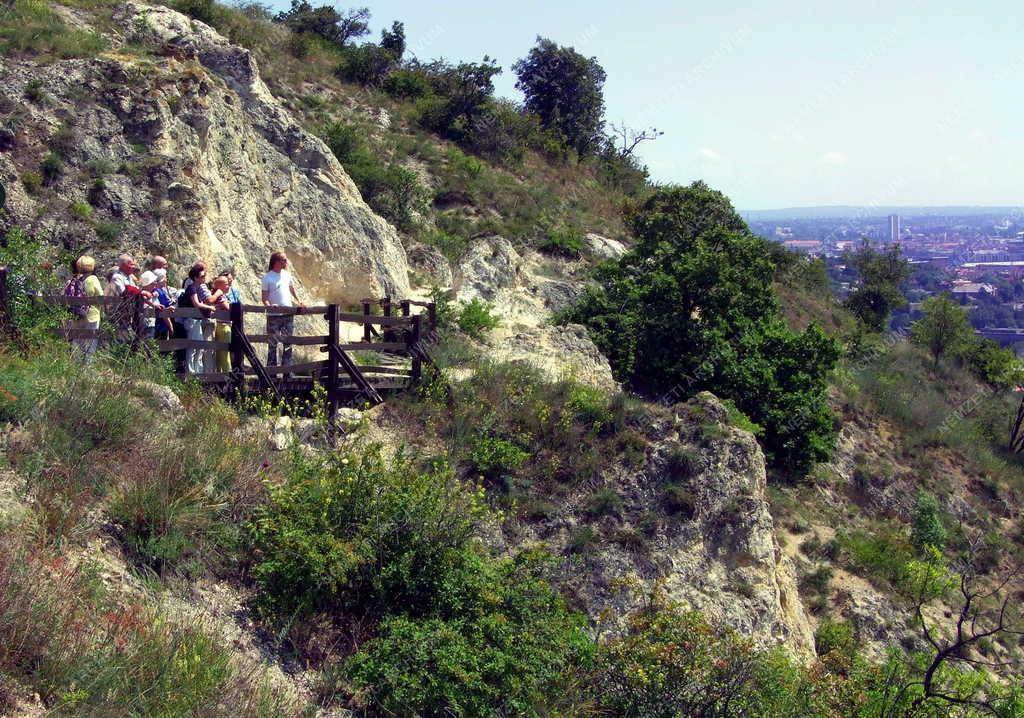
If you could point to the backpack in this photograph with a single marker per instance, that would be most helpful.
(76, 288)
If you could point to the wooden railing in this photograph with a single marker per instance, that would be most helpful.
(344, 379)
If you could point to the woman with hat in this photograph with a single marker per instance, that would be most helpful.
(85, 267)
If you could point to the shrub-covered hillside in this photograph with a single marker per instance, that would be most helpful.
(741, 497)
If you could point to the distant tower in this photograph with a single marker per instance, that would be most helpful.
(894, 228)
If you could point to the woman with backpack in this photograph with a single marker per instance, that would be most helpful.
(85, 284)
(197, 296)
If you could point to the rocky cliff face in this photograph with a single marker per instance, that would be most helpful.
(711, 542)
(178, 147)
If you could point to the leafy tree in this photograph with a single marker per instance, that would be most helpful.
(338, 28)
(393, 40)
(943, 329)
(367, 64)
(878, 293)
(692, 308)
(564, 89)
(461, 94)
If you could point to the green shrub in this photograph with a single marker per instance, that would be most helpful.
(506, 652)
(565, 243)
(391, 190)
(51, 168)
(365, 64)
(108, 232)
(30, 265)
(81, 210)
(31, 181)
(34, 90)
(410, 84)
(452, 246)
(475, 319)
(740, 420)
(679, 500)
(592, 407)
(835, 636)
(640, 670)
(604, 502)
(926, 523)
(880, 557)
(583, 539)
(355, 533)
(496, 459)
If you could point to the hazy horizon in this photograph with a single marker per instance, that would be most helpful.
(796, 104)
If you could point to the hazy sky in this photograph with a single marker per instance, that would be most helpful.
(783, 103)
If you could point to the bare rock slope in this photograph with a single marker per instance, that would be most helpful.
(179, 148)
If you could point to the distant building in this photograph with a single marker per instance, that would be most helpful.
(972, 289)
(810, 246)
(894, 228)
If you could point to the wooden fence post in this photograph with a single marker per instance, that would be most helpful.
(414, 341)
(333, 340)
(137, 321)
(237, 353)
(432, 317)
(366, 327)
(7, 325)
(404, 305)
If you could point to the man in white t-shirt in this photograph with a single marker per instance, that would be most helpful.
(278, 290)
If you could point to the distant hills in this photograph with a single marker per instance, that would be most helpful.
(865, 212)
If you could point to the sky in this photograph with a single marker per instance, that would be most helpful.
(781, 104)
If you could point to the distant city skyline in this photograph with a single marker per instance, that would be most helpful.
(788, 104)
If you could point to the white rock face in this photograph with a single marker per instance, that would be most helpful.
(220, 170)
(560, 352)
(490, 265)
(603, 247)
(719, 555)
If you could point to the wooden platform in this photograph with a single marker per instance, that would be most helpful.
(396, 340)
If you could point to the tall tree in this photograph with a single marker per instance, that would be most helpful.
(692, 308)
(337, 27)
(944, 329)
(880, 275)
(393, 40)
(565, 89)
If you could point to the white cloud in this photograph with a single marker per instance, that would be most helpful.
(976, 135)
(708, 155)
(833, 158)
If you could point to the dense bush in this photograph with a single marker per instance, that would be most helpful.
(368, 65)
(566, 243)
(475, 318)
(391, 190)
(357, 533)
(30, 264)
(692, 308)
(502, 645)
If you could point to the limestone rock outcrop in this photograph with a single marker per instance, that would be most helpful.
(189, 155)
(715, 551)
(491, 265)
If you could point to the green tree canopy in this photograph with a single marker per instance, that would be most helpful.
(336, 27)
(564, 89)
(692, 308)
(944, 329)
(880, 275)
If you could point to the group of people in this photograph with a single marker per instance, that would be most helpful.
(198, 291)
